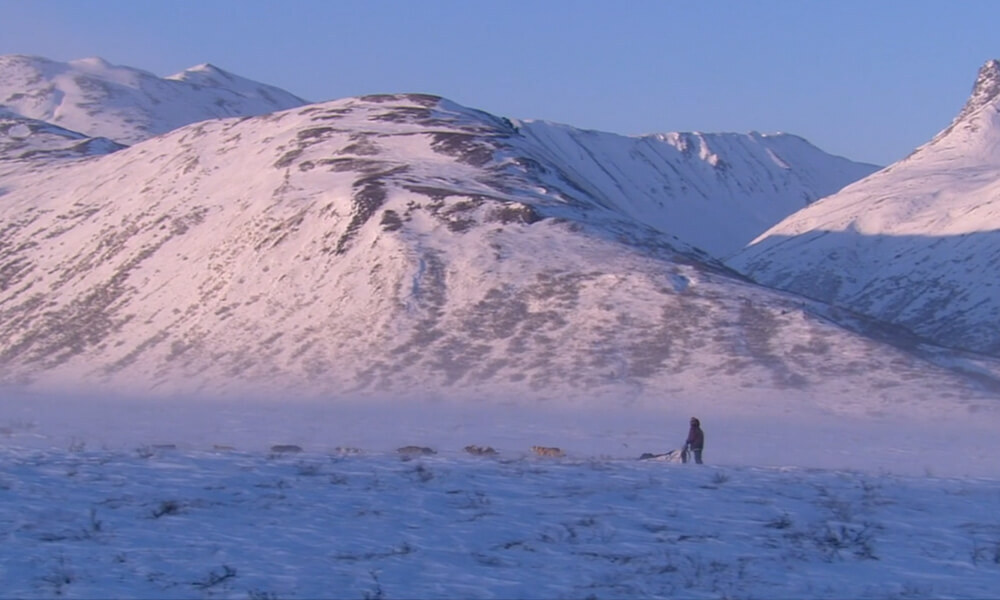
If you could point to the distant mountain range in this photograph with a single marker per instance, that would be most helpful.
(404, 244)
(129, 105)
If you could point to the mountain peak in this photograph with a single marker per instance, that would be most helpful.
(91, 61)
(208, 68)
(986, 89)
(204, 74)
(125, 104)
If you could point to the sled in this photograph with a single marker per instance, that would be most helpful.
(674, 456)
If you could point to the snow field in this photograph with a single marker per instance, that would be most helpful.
(158, 522)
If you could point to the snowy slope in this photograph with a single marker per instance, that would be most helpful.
(716, 191)
(24, 140)
(396, 244)
(917, 244)
(125, 104)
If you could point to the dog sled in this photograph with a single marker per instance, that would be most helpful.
(674, 456)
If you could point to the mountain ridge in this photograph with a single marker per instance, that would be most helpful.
(701, 179)
(393, 244)
(915, 244)
(125, 104)
(984, 91)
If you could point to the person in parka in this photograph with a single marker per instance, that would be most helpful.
(695, 442)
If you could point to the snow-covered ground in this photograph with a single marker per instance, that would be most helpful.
(104, 498)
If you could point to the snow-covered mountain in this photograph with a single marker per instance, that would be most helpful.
(22, 139)
(716, 191)
(397, 243)
(129, 105)
(917, 244)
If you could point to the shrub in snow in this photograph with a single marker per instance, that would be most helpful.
(286, 449)
(412, 450)
(548, 451)
(480, 450)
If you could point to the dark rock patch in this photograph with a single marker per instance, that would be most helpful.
(391, 221)
(466, 148)
(516, 213)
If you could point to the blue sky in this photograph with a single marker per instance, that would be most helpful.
(869, 80)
